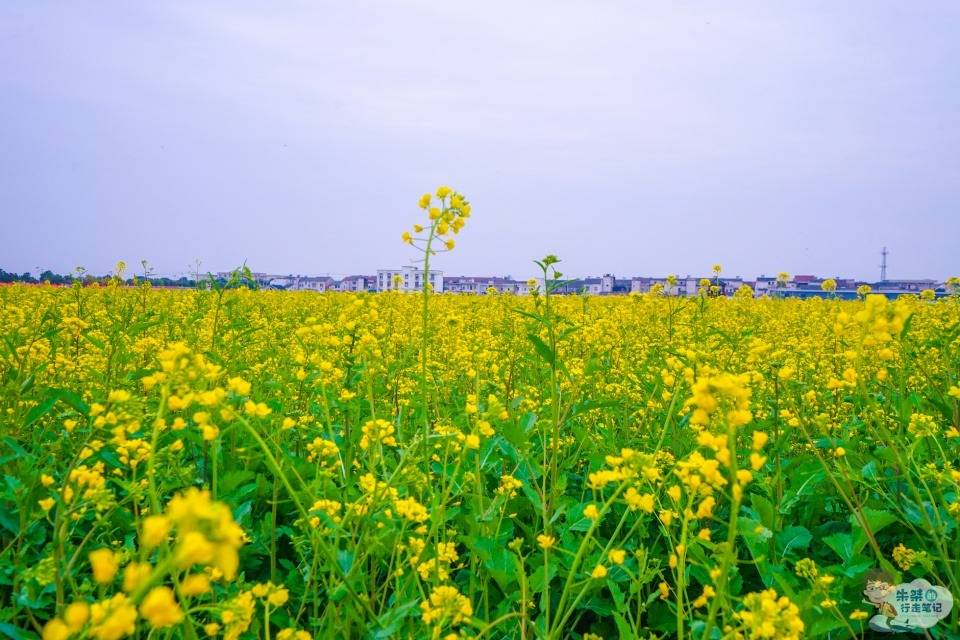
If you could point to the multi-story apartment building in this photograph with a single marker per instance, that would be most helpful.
(482, 284)
(262, 279)
(358, 283)
(322, 283)
(645, 284)
(408, 279)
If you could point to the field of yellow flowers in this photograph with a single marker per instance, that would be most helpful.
(233, 463)
(237, 463)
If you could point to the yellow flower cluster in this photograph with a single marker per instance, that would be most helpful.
(726, 393)
(765, 615)
(322, 450)
(236, 616)
(446, 605)
(906, 558)
(448, 215)
(923, 425)
(508, 486)
(378, 432)
(206, 532)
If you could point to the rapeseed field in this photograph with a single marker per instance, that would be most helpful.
(235, 463)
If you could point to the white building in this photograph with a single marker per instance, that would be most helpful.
(524, 288)
(592, 286)
(358, 283)
(262, 279)
(595, 286)
(407, 279)
(640, 284)
(305, 283)
(481, 284)
(645, 284)
(764, 285)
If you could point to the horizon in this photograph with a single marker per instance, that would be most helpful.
(622, 138)
(136, 270)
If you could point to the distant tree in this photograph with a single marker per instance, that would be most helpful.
(55, 278)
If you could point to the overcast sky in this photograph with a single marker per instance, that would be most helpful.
(625, 137)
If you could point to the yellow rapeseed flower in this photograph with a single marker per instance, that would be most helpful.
(55, 629)
(76, 615)
(160, 608)
(446, 604)
(155, 531)
(104, 564)
(112, 619)
(545, 541)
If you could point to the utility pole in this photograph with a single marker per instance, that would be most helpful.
(883, 265)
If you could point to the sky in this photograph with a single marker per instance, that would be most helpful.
(634, 138)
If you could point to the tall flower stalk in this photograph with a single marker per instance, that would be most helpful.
(446, 216)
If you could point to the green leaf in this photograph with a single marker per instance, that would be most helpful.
(857, 567)
(533, 316)
(906, 326)
(590, 405)
(242, 511)
(40, 410)
(757, 543)
(599, 605)
(532, 495)
(391, 621)
(13, 483)
(345, 560)
(26, 384)
(842, 545)
(53, 396)
(542, 349)
(529, 419)
(231, 480)
(98, 343)
(823, 624)
(338, 593)
(16, 633)
(785, 580)
(514, 433)
(617, 594)
(14, 446)
(74, 400)
(623, 627)
(792, 540)
(540, 577)
(501, 567)
(764, 509)
(809, 487)
(875, 519)
(8, 522)
(139, 327)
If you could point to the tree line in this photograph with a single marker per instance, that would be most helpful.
(50, 277)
